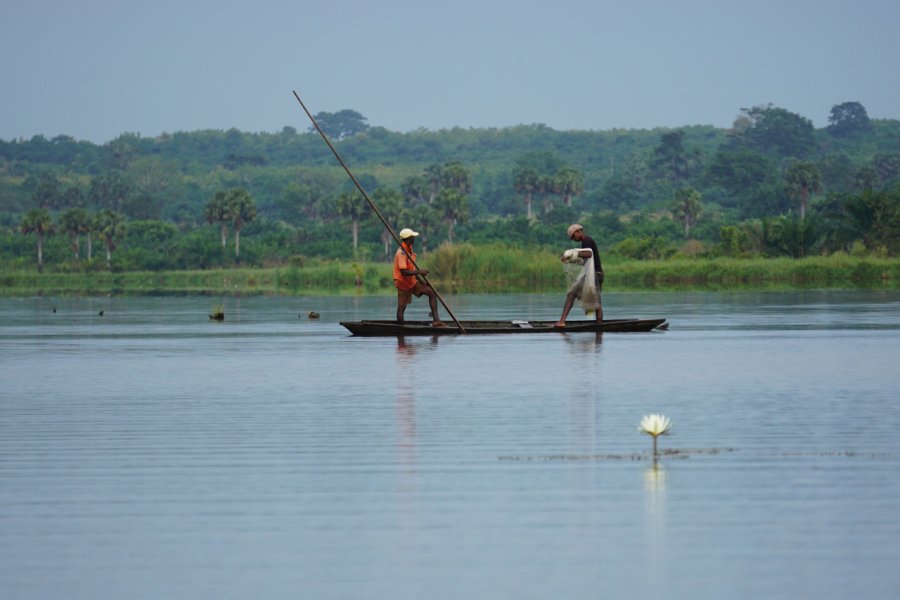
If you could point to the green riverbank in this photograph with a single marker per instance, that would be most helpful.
(470, 273)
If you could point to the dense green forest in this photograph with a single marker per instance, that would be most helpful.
(772, 185)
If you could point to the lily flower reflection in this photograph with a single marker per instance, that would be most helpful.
(655, 425)
(655, 478)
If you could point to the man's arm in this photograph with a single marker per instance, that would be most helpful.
(410, 270)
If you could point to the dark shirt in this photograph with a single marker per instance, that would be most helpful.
(587, 242)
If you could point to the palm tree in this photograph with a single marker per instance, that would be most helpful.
(456, 177)
(390, 202)
(546, 188)
(216, 211)
(569, 182)
(241, 210)
(91, 226)
(354, 207)
(793, 235)
(434, 174)
(687, 208)
(453, 207)
(525, 181)
(414, 189)
(802, 179)
(38, 222)
(74, 222)
(112, 229)
(425, 218)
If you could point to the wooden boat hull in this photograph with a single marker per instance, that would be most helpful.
(392, 328)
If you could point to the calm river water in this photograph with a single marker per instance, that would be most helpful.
(151, 453)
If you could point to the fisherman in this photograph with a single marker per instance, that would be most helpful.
(406, 280)
(588, 249)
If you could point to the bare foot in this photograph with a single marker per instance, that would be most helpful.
(438, 324)
(560, 324)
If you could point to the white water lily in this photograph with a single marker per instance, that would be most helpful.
(655, 425)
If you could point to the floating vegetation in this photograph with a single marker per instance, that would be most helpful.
(841, 453)
(684, 453)
(636, 456)
(218, 313)
(312, 315)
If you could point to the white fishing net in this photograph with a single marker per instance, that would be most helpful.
(582, 278)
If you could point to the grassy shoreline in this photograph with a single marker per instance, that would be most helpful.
(470, 272)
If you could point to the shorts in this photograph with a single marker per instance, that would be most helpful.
(404, 297)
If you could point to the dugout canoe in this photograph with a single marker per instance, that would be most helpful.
(392, 328)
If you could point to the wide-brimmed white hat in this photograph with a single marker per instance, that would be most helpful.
(407, 233)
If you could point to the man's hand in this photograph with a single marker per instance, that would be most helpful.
(570, 255)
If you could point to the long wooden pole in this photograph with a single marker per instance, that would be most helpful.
(375, 208)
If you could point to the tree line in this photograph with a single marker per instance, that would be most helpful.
(772, 184)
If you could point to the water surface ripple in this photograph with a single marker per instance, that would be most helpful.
(151, 453)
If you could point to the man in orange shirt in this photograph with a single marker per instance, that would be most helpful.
(406, 281)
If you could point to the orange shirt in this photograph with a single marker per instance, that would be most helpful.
(402, 262)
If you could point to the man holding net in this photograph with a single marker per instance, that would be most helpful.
(587, 281)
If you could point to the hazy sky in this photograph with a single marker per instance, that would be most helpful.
(94, 69)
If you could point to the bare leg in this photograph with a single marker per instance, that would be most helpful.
(570, 301)
(599, 297)
(401, 308)
(432, 302)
